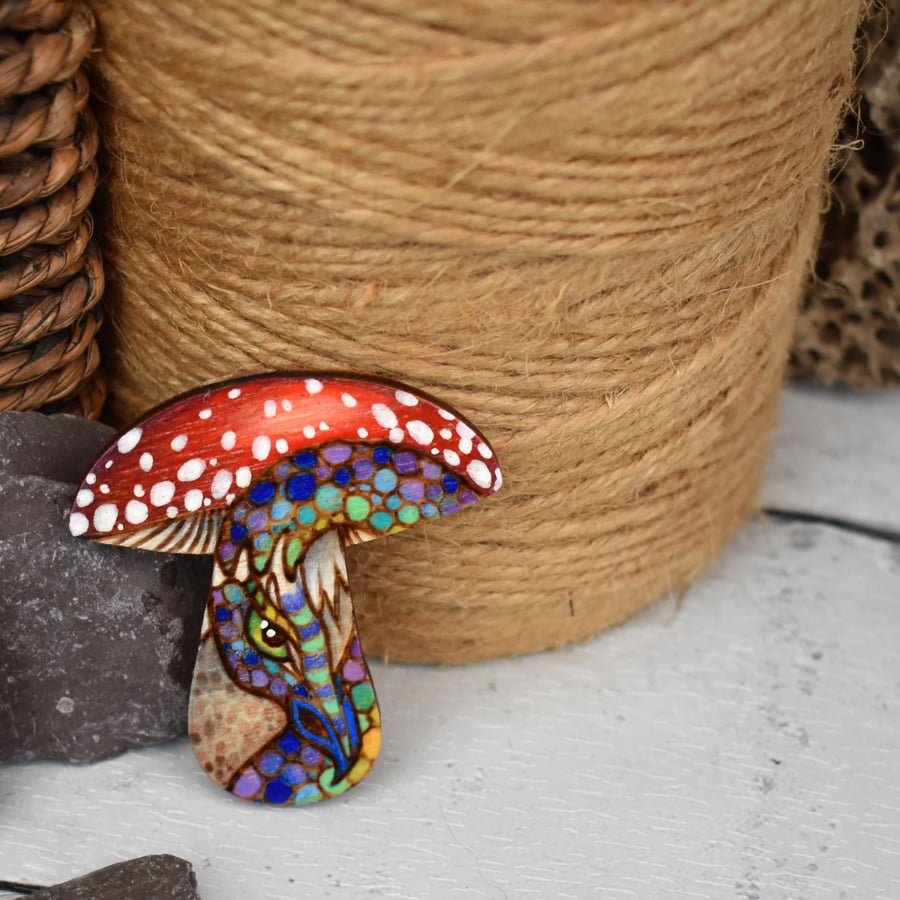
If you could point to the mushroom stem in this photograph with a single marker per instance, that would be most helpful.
(279, 612)
(308, 658)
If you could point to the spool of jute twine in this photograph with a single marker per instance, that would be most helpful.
(584, 227)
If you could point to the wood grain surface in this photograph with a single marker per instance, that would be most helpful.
(741, 743)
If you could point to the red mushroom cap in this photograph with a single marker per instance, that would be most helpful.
(188, 459)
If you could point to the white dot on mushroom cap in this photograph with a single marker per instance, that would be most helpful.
(229, 498)
(120, 527)
(129, 440)
(221, 483)
(193, 500)
(261, 447)
(434, 451)
(465, 437)
(204, 413)
(206, 501)
(286, 405)
(104, 488)
(139, 490)
(108, 464)
(362, 432)
(452, 457)
(485, 451)
(479, 473)
(84, 497)
(179, 442)
(228, 440)
(446, 434)
(323, 426)
(78, 524)
(446, 415)
(192, 469)
(498, 480)
(213, 461)
(234, 393)
(242, 476)
(161, 493)
(172, 511)
(348, 400)
(406, 399)
(105, 516)
(270, 407)
(91, 478)
(281, 445)
(384, 415)
(396, 435)
(309, 431)
(420, 432)
(136, 512)
(146, 462)
(313, 385)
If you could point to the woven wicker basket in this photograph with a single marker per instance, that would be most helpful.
(52, 276)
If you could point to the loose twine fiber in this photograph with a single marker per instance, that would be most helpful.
(583, 225)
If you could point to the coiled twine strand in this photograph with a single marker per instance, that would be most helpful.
(584, 229)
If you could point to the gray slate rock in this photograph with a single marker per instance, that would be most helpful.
(99, 642)
(60, 448)
(161, 877)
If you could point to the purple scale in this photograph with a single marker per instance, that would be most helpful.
(405, 462)
(271, 763)
(413, 491)
(466, 497)
(449, 506)
(310, 756)
(259, 520)
(226, 551)
(293, 603)
(362, 469)
(337, 453)
(248, 784)
(228, 632)
(431, 471)
(356, 648)
(323, 473)
(282, 470)
(294, 774)
(259, 678)
(278, 687)
(243, 676)
(353, 672)
(434, 492)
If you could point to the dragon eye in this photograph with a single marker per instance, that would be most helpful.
(268, 637)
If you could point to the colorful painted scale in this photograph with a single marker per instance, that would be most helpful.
(283, 709)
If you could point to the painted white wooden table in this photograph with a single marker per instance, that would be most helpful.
(743, 745)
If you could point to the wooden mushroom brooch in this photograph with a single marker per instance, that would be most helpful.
(274, 475)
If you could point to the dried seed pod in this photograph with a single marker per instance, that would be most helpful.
(848, 329)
